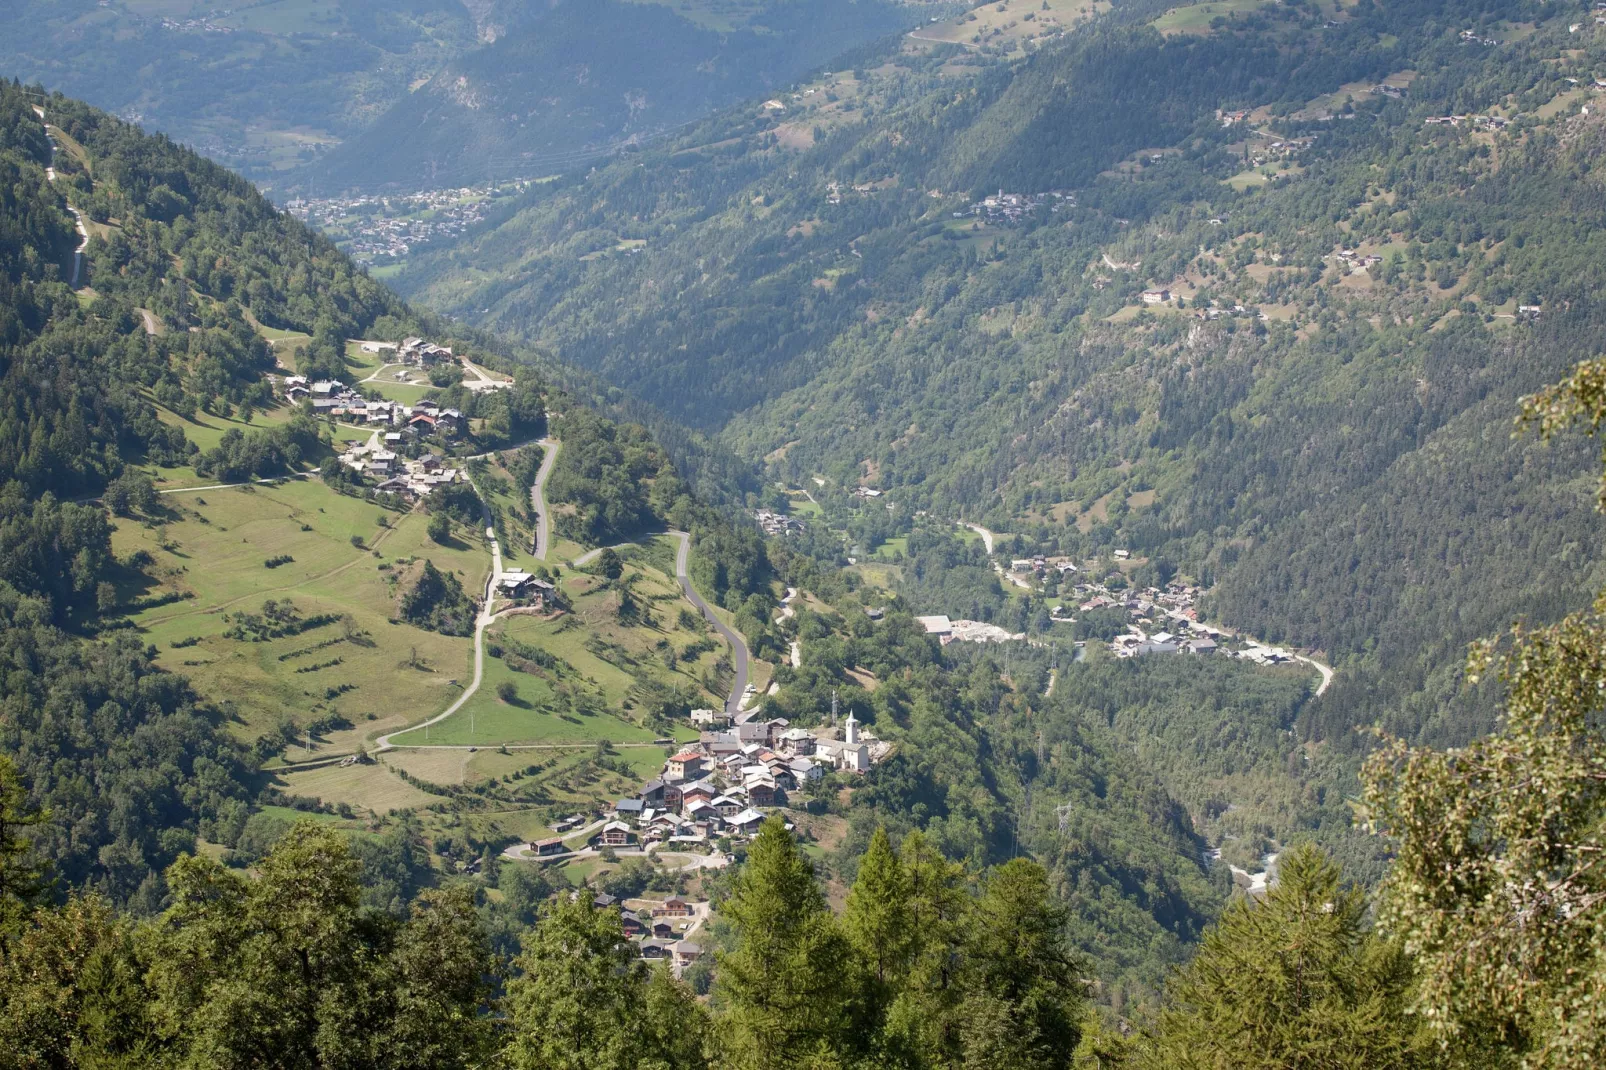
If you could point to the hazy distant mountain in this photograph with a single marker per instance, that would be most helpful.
(574, 79)
(411, 92)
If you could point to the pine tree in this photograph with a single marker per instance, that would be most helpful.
(1294, 980)
(1023, 1005)
(782, 988)
(921, 1028)
(21, 877)
(878, 923)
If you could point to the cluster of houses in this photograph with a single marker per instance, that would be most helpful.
(658, 929)
(1282, 149)
(412, 479)
(834, 190)
(1040, 566)
(1013, 207)
(333, 398)
(1487, 122)
(722, 784)
(1163, 622)
(1355, 262)
(424, 354)
(1215, 313)
(374, 228)
(414, 351)
(778, 524)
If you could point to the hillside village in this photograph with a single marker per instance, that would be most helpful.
(708, 797)
(720, 786)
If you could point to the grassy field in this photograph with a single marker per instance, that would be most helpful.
(1196, 18)
(406, 393)
(370, 787)
(800, 504)
(1012, 20)
(212, 546)
(602, 659)
(886, 550)
(206, 430)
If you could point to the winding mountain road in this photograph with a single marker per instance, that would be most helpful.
(78, 217)
(543, 523)
(987, 537)
(486, 617)
(739, 654)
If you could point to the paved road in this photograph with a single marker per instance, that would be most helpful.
(77, 216)
(480, 380)
(543, 523)
(1327, 673)
(987, 537)
(483, 621)
(739, 655)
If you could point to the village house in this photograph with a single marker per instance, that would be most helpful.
(687, 765)
(804, 771)
(617, 833)
(515, 583)
(547, 848)
(1156, 297)
(710, 717)
(673, 907)
(746, 823)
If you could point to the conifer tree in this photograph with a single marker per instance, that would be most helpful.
(21, 877)
(1293, 980)
(783, 991)
(920, 1027)
(1023, 1001)
(878, 923)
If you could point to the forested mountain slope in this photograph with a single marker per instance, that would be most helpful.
(1323, 436)
(188, 272)
(133, 764)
